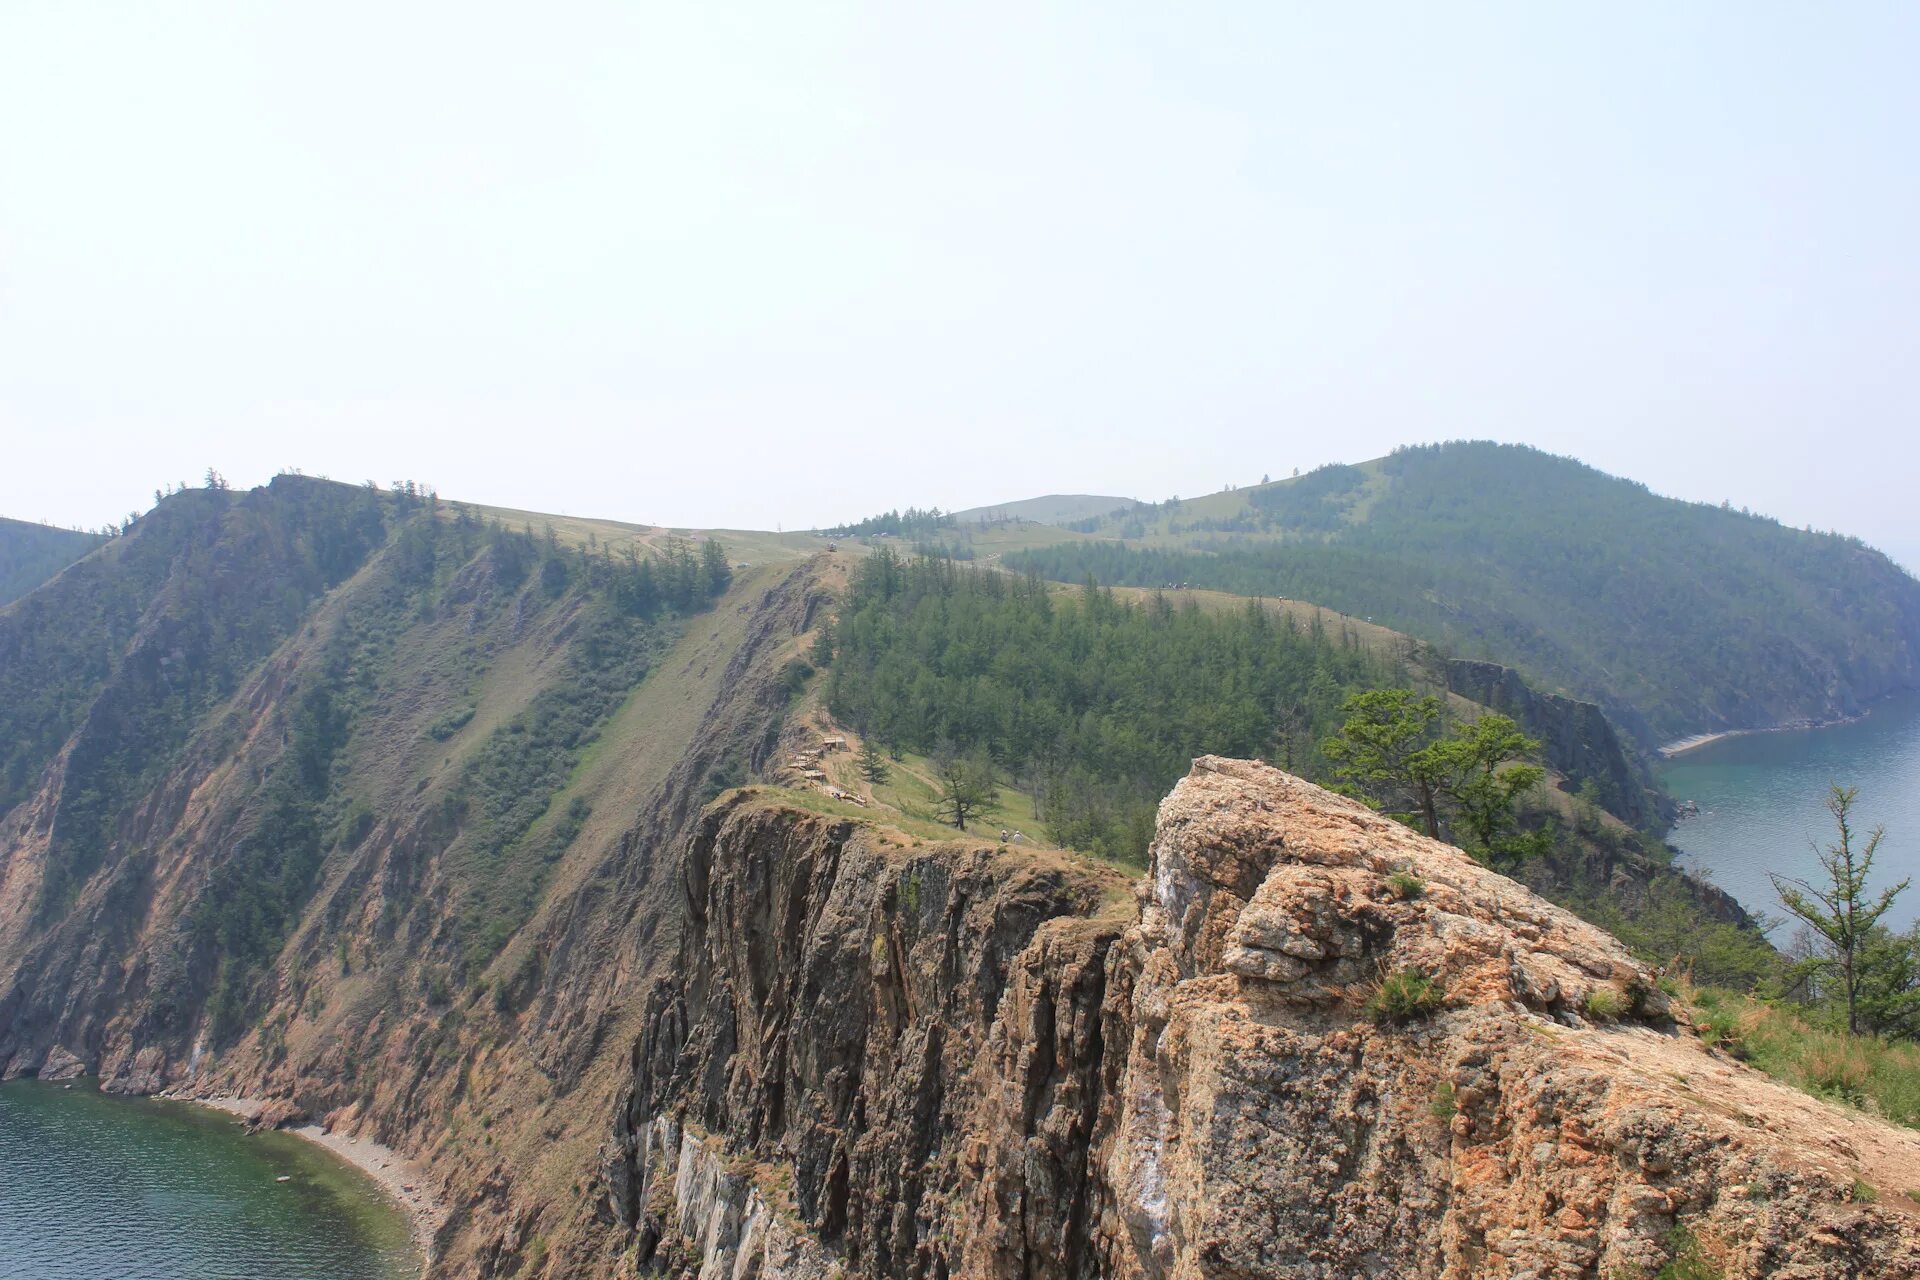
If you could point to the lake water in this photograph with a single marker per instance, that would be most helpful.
(101, 1188)
(1762, 798)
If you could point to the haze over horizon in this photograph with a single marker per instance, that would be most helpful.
(781, 267)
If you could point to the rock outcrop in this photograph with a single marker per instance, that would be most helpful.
(944, 1061)
(1265, 1126)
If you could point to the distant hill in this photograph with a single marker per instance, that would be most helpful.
(1054, 508)
(1678, 617)
(32, 553)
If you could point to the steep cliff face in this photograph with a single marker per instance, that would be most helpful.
(938, 1061)
(857, 1027)
(1575, 738)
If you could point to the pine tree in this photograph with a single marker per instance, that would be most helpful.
(715, 574)
(1381, 752)
(964, 785)
(1842, 913)
(873, 765)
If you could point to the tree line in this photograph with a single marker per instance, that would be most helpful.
(911, 523)
(1093, 704)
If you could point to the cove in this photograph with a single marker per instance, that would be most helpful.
(1762, 798)
(95, 1186)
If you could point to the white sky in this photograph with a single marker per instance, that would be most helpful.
(746, 265)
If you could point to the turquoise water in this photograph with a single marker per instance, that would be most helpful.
(1762, 799)
(100, 1188)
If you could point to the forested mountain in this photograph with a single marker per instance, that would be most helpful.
(1679, 617)
(32, 553)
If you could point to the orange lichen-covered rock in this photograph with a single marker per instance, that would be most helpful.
(1263, 1126)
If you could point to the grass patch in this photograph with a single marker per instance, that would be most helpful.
(1404, 996)
(1605, 1004)
(1863, 1071)
(1406, 886)
(910, 791)
(1445, 1104)
(1689, 1261)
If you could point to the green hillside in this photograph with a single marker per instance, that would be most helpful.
(32, 553)
(184, 609)
(1678, 617)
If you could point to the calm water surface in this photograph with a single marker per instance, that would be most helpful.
(101, 1188)
(1762, 799)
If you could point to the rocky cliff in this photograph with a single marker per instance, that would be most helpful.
(1576, 739)
(892, 1060)
(823, 1048)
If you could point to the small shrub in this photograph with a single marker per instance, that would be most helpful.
(1689, 1261)
(795, 676)
(1445, 1104)
(1406, 886)
(1605, 1004)
(1863, 1192)
(1404, 996)
(451, 723)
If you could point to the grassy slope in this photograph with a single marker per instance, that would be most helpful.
(752, 545)
(1876, 1075)
(637, 748)
(1054, 508)
(32, 553)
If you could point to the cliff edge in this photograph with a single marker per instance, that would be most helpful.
(900, 1060)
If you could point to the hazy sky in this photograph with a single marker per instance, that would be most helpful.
(747, 265)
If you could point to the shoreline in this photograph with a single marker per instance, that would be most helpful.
(402, 1181)
(1681, 746)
